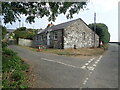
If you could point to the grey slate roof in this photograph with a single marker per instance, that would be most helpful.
(59, 26)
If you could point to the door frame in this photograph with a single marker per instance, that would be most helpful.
(48, 38)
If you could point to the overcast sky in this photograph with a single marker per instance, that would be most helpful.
(106, 12)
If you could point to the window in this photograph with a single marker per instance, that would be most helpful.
(36, 38)
(41, 38)
(55, 35)
(83, 35)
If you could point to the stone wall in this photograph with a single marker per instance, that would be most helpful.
(25, 42)
(56, 43)
(40, 39)
(80, 35)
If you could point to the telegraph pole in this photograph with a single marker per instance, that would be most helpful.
(94, 24)
(94, 28)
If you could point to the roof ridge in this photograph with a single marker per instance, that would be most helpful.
(67, 21)
(61, 25)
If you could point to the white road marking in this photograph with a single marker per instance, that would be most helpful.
(94, 65)
(100, 57)
(89, 61)
(90, 72)
(83, 67)
(96, 62)
(85, 81)
(60, 63)
(90, 68)
(86, 64)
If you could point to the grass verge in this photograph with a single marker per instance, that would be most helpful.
(71, 52)
(13, 70)
(76, 52)
(30, 48)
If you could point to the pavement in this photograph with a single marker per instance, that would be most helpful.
(69, 72)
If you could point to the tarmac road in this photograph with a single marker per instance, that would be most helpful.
(69, 72)
(106, 72)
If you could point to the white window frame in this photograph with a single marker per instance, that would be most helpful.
(41, 37)
(55, 35)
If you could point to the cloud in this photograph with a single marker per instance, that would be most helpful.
(104, 5)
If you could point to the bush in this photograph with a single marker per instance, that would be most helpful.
(4, 44)
(105, 46)
(102, 32)
(11, 64)
(13, 70)
(24, 33)
(9, 52)
(17, 75)
(5, 83)
(14, 80)
(4, 31)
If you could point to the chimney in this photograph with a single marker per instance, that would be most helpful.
(50, 25)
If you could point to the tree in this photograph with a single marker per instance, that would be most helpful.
(11, 11)
(4, 31)
(102, 32)
(22, 29)
(22, 32)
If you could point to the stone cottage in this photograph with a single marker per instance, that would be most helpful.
(72, 34)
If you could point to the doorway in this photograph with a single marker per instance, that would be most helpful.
(48, 38)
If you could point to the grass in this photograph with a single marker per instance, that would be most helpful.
(71, 52)
(30, 48)
(76, 52)
(13, 70)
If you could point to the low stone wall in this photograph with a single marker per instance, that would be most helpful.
(25, 42)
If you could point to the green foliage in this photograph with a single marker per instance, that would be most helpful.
(24, 33)
(4, 44)
(4, 31)
(23, 86)
(17, 76)
(8, 52)
(30, 19)
(13, 70)
(105, 46)
(22, 29)
(102, 32)
(12, 10)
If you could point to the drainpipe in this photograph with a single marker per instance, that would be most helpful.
(62, 39)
